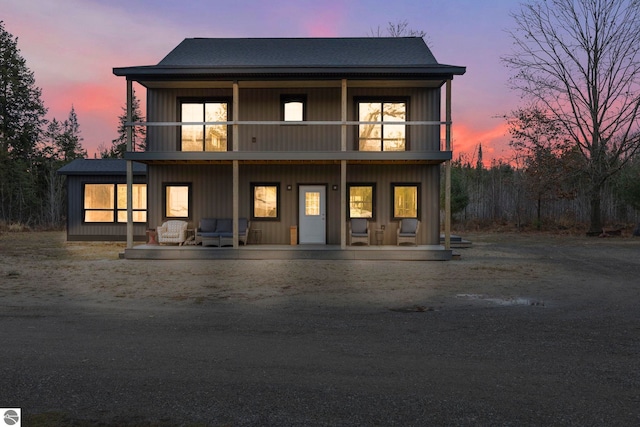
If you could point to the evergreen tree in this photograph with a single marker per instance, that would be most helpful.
(69, 141)
(21, 119)
(119, 145)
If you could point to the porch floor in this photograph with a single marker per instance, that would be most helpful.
(262, 252)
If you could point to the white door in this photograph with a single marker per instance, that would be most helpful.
(312, 225)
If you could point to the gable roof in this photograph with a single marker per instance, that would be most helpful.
(311, 57)
(101, 167)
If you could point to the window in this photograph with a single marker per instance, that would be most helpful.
(361, 200)
(294, 108)
(108, 202)
(177, 200)
(266, 201)
(385, 136)
(406, 200)
(204, 137)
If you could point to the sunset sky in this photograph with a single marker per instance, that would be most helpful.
(72, 46)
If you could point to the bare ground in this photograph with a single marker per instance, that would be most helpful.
(524, 329)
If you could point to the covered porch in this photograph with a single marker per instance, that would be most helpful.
(284, 252)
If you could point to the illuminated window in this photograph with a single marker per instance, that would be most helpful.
(265, 204)
(312, 203)
(200, 137)
(108, 202)
(294, 108)
(406, 200)
(177, 200)
(384, 135)
(361, 200)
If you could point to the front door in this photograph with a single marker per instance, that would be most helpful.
(312, 225)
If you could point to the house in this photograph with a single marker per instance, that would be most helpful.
(296, 134)
(97, 196)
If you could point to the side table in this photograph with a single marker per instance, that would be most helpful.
(379, 236)
(151, 233)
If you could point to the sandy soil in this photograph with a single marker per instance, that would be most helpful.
(523, 329)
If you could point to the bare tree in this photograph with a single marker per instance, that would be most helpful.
(579, 61)
(397, 29)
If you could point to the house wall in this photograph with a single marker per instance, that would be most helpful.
(212, 187)
(323, 104)
(77, 230)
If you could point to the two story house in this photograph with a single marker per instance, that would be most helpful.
(296, 134)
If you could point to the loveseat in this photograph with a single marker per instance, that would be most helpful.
(219, 231)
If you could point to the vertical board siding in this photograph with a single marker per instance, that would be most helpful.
(323, 104)
(212, 195)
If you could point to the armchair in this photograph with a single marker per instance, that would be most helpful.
(173, 231)
(359, 230)
(408, 231)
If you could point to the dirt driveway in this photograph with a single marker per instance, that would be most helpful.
(524, 329)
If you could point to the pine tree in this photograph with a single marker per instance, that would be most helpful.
(119, 145)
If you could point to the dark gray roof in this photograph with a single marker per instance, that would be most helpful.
(101, 167)
(237, 56)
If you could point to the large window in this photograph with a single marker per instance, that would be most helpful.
(265, 202)
(362, 201)
(177, 200)
(294, 108)
(406, 200)
(108, 202)
(204, 137)
(384, 136)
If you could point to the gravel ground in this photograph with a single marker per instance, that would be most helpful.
(524, 329)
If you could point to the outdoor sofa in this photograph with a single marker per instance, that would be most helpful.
(219, 231)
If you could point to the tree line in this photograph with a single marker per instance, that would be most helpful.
(576, 64)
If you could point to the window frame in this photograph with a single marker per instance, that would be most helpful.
(253, 186)
(204, 101)
(115, 210)
(418, 187)
(286, 98)
(165, 186)
(373, 198)
(382, 100)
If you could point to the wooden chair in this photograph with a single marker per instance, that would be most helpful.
(408, 231)
(359, 231)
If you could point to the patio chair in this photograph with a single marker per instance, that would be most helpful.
(359, 230)
(408, 231)
(173, 231)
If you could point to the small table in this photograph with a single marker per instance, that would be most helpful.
(191, 237)
(151, 233)
(256, 236)
(379, 236)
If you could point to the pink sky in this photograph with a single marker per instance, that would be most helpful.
(72, 46)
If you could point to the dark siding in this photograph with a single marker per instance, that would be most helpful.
(77, 230)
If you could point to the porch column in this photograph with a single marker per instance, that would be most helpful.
(447, 184)
(236, 165)
(129, 166)
(343, 168)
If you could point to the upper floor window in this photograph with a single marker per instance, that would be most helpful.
(385, 136)
(204, 137)
(108, 202)
(294, 108)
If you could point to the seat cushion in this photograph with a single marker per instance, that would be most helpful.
(224, 226)
(208, 224)
(409, 226)
(358, 225)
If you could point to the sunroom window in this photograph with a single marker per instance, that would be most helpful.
(204, 137)
(108, 202)
(386, 135)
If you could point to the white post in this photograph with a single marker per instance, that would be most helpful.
(343, 169)
(236, 165)
(129, 166)
(447, 188)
